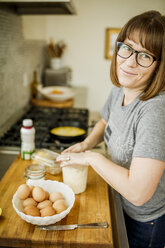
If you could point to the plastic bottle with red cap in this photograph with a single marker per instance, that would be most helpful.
(27, 139)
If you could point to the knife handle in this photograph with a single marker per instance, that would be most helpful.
(94, 225)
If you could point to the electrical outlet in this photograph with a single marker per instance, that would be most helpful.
(25, 79)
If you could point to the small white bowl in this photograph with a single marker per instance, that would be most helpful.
(50, 186)
(66, 93)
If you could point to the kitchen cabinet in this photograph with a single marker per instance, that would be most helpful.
(40, 7)
(6, 161)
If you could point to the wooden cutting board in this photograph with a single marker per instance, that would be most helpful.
(90, 206)
(47, 103)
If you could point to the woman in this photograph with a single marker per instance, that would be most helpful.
(133, 128)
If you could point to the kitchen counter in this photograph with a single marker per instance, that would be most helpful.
(90, 206)
(97, 204)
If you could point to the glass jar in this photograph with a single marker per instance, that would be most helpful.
(75, 176)
(35, 171)
(47, 158)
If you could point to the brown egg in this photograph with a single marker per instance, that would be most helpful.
(38, 194)
(25, 208)
(46, 195)
(44, 204)
(29, 201)
(48, 211)
(55, 196)
(31, 187)
(59, 207)
(23, 191)
(32, 210)
(60, 201)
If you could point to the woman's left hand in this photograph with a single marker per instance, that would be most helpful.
(81, 158)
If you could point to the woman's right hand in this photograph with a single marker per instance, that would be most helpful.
(78, 147)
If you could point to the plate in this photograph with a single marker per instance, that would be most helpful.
(57, 93)
(50, 186)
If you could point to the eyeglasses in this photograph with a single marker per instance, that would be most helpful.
(143, 59)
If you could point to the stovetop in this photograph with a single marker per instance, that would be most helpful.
(45, 118)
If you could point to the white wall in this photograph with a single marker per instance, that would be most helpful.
(84, 34)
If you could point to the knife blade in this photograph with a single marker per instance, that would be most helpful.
(74, 226)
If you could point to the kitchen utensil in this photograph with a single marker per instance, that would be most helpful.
(50, 186)
(74, 226)
(70, 138)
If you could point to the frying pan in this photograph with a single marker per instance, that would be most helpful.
(68, 138)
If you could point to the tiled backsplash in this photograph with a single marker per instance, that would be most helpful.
(18, 59)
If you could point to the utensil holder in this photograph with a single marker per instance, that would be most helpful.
(55, 63)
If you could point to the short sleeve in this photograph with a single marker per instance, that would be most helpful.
(150, 132)
(105, 111)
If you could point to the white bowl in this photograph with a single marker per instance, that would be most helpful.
(66, 93)
(50, 186)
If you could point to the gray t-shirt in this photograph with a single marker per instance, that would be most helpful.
(137, 130)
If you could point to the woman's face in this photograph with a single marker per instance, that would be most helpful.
(130, 74)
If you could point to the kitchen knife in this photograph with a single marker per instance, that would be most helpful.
(74, 226)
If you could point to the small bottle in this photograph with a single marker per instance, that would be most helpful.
(27, 139)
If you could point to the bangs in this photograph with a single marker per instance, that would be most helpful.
(149, 32)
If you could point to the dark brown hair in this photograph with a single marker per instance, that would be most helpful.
(151, 28)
